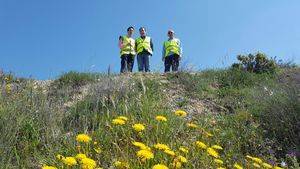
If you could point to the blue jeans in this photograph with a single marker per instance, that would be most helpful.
(143, 62)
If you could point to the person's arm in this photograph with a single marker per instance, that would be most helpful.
(120, 42)
(151, 44)
(163, 52)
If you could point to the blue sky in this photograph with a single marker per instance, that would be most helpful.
(44, 38)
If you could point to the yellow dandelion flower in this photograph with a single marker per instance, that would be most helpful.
(184, 149)
(161, 118)
(218, 161)
(257, 160)
(212, 152)
(256, 165)
(180, 113)
(177, 164)
(192, 125)
(140, 145)
(182, 159)
(237, 166)
(59, 157)
(200, 144)
(122, 118)
(118, 122)
(145, 154)
(138, 127)
(221, 168)
(83, 138)
(160, 146)
(276, 167)
(88, 163)
(159, 166)
(48, 167)
(266, 165)
(80, 156)
(217, 147)
(169, 152)
(69, 161)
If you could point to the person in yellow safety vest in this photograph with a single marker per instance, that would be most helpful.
(172, 52)
(144, 49)
(127, 50)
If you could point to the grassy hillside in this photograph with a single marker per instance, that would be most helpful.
(210, 119)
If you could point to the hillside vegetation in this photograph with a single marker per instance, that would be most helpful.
(228, 118)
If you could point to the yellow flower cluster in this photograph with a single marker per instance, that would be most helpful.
(161, 118)
(83, 138)
(180, 113)
(138, 127)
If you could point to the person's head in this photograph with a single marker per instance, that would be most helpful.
(142, 31)
(130, 30)
(171, 33)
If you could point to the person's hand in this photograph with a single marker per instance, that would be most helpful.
(163, 59)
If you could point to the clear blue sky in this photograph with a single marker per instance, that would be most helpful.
(44, 38)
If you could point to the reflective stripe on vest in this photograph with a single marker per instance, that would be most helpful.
(128, 46)
(172, 46)
(144, 44)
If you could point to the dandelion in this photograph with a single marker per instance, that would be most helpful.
(218, 161)
(217, 147)
(122, 118)
(256, 165)
(276, 167)
(184, 149)
(118, 122)
(70, 161)
(200, 144)
(140, 145)
(48, 167)
(138, 127)
(160, 166)
(221, 168)
(145, 154)
(182, 159)
(161, 118)
(177, 164)
(180, 113)
(212, 152)
(255, 159)
(88, 163)
(83, 138)
(192, 125)
(266, 165)
(237, 166)
(59, 157)
(160, 146)
(169, 152)
(80, 156)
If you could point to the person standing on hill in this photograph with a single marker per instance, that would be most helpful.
(172, 52)
(127, 50)
(144, 49)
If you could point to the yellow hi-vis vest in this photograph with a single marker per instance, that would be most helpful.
(128, 46)
(143, 44)
(172, 46)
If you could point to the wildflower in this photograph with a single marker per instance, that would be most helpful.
(160, 166)
(88, 163)
(48, 167)
(145, 154)
(217, 147)
(140, 145)
(177, 164)
(256, 165)
(161, 146)
(212, 152)
(184, 149)
(80, 156)
(276, 167)
(218, 161)
(169, 152)
(161, 118)
(192, 125)
(83, 138)
(59, 157)
(70, 161)
(121, 165)
(266, 165)
(255, 159)
(182, 159)
(180, 113)
(122, 118)
(237, 166)
(118, 122)
(138, 127)
(201, 145)
(221, 168)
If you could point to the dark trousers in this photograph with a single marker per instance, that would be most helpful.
(172, 61)
(143, 62)
(127, 61)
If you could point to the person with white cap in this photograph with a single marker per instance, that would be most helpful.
(172, 52)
